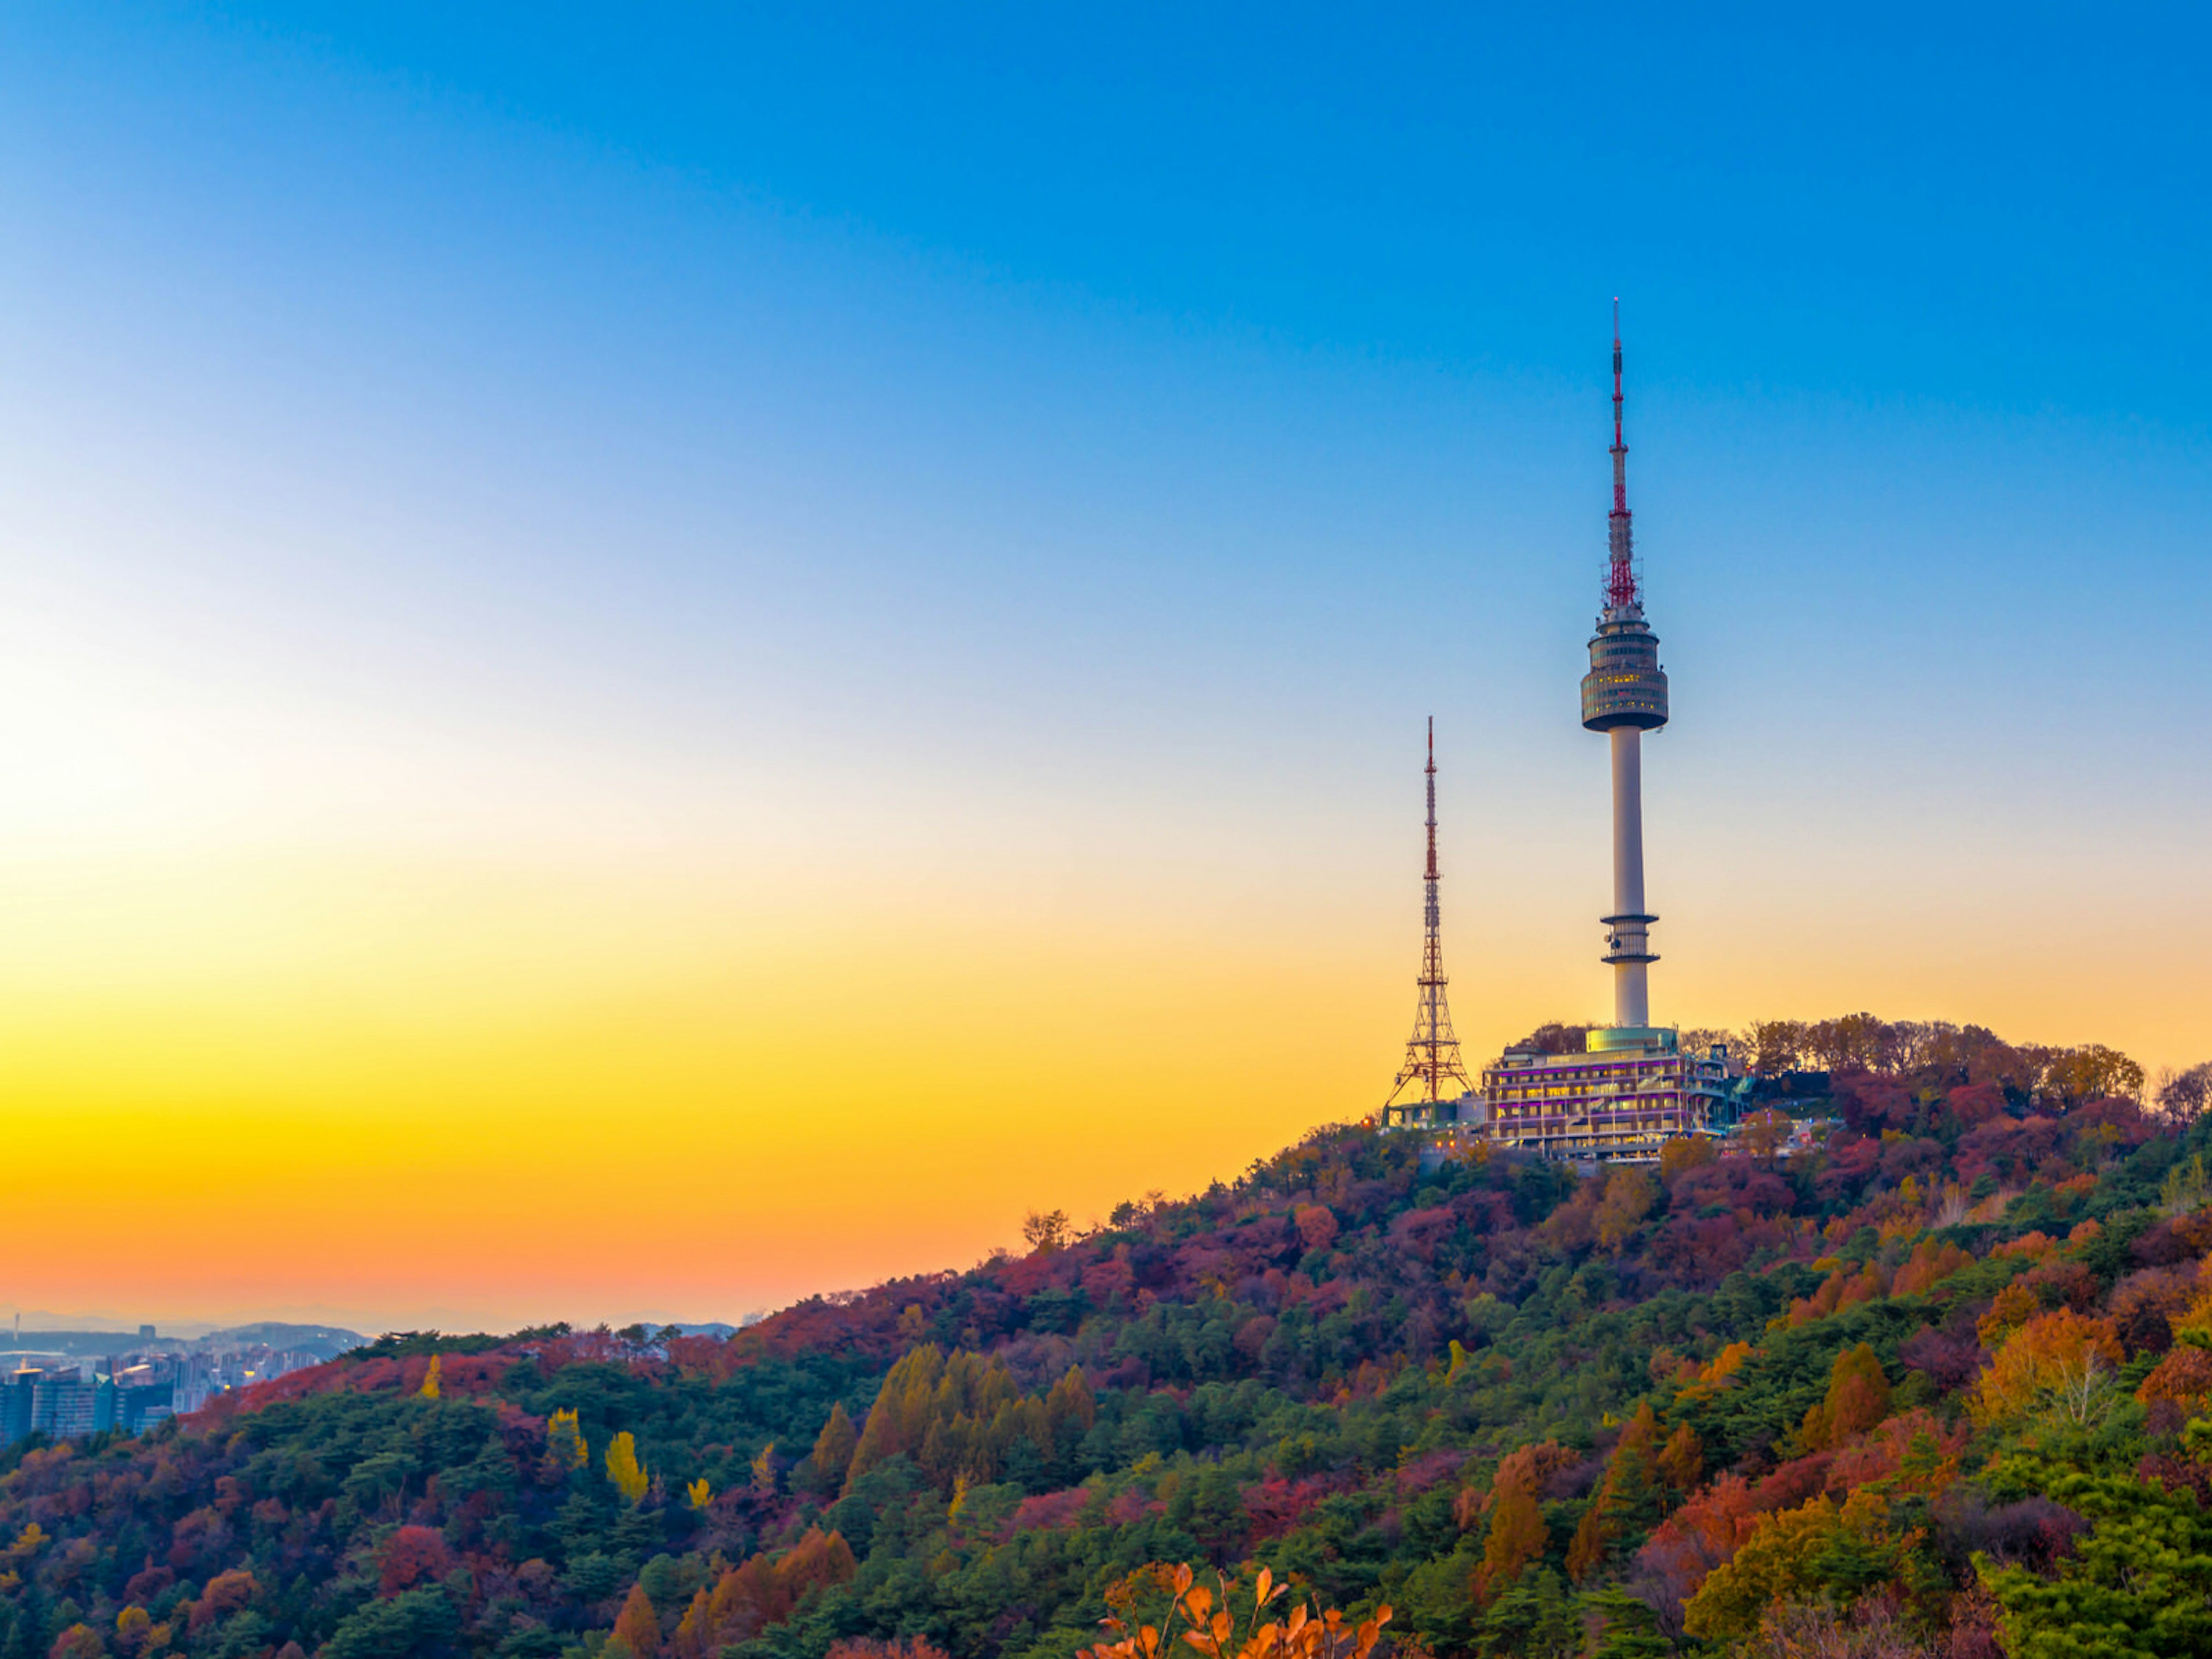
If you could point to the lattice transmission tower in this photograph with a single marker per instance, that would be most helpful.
(1432, 1057)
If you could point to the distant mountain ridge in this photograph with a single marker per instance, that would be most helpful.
(324, 1342)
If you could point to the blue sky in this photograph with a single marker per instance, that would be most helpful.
(1994, 208)
(919, 466)
(1118, 383)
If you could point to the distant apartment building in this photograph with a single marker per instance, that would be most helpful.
(16, 1406)
(196, 1380)
(62, 1405)
(54, 1401)
(133, 1401)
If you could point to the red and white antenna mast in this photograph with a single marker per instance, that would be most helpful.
(1620, 571)
(1432, 1057)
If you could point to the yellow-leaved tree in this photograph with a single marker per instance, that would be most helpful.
(623, 1468)
(957, 1413)
(430, 1376)
(1070, 1401)
(824, 1471)
(701, 1494)
(564, 1441)
(1629, 1195)
(1781, 1562)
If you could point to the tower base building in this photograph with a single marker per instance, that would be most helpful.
(1632, 1091)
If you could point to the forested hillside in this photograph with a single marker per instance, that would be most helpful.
(1936, 1388)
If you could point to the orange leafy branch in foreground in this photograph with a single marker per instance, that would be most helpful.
(1212, 1629)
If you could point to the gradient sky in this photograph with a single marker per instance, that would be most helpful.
(654, 658)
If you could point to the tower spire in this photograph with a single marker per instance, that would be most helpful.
(1620, 571)
(1432, 1056)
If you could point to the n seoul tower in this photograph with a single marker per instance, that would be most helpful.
(1624, 695)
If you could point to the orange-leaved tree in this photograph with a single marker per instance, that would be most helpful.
(1858, 1399)
(2013, 1306)
(1212, 1627)
(2185, 1377)
(1704, 1533)
(2061, 1359)
(638, 1627)
(1931, 1262)
(760, 1592)
(1632, 1500)
(1720, 1373)
(1517, 1532)
(1682, 1458)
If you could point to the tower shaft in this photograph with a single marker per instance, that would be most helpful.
(1628, 941)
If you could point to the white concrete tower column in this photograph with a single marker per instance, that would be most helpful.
(1629, 943)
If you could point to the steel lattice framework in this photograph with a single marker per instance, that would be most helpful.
(1432, 1057)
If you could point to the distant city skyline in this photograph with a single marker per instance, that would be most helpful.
(673, 660)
